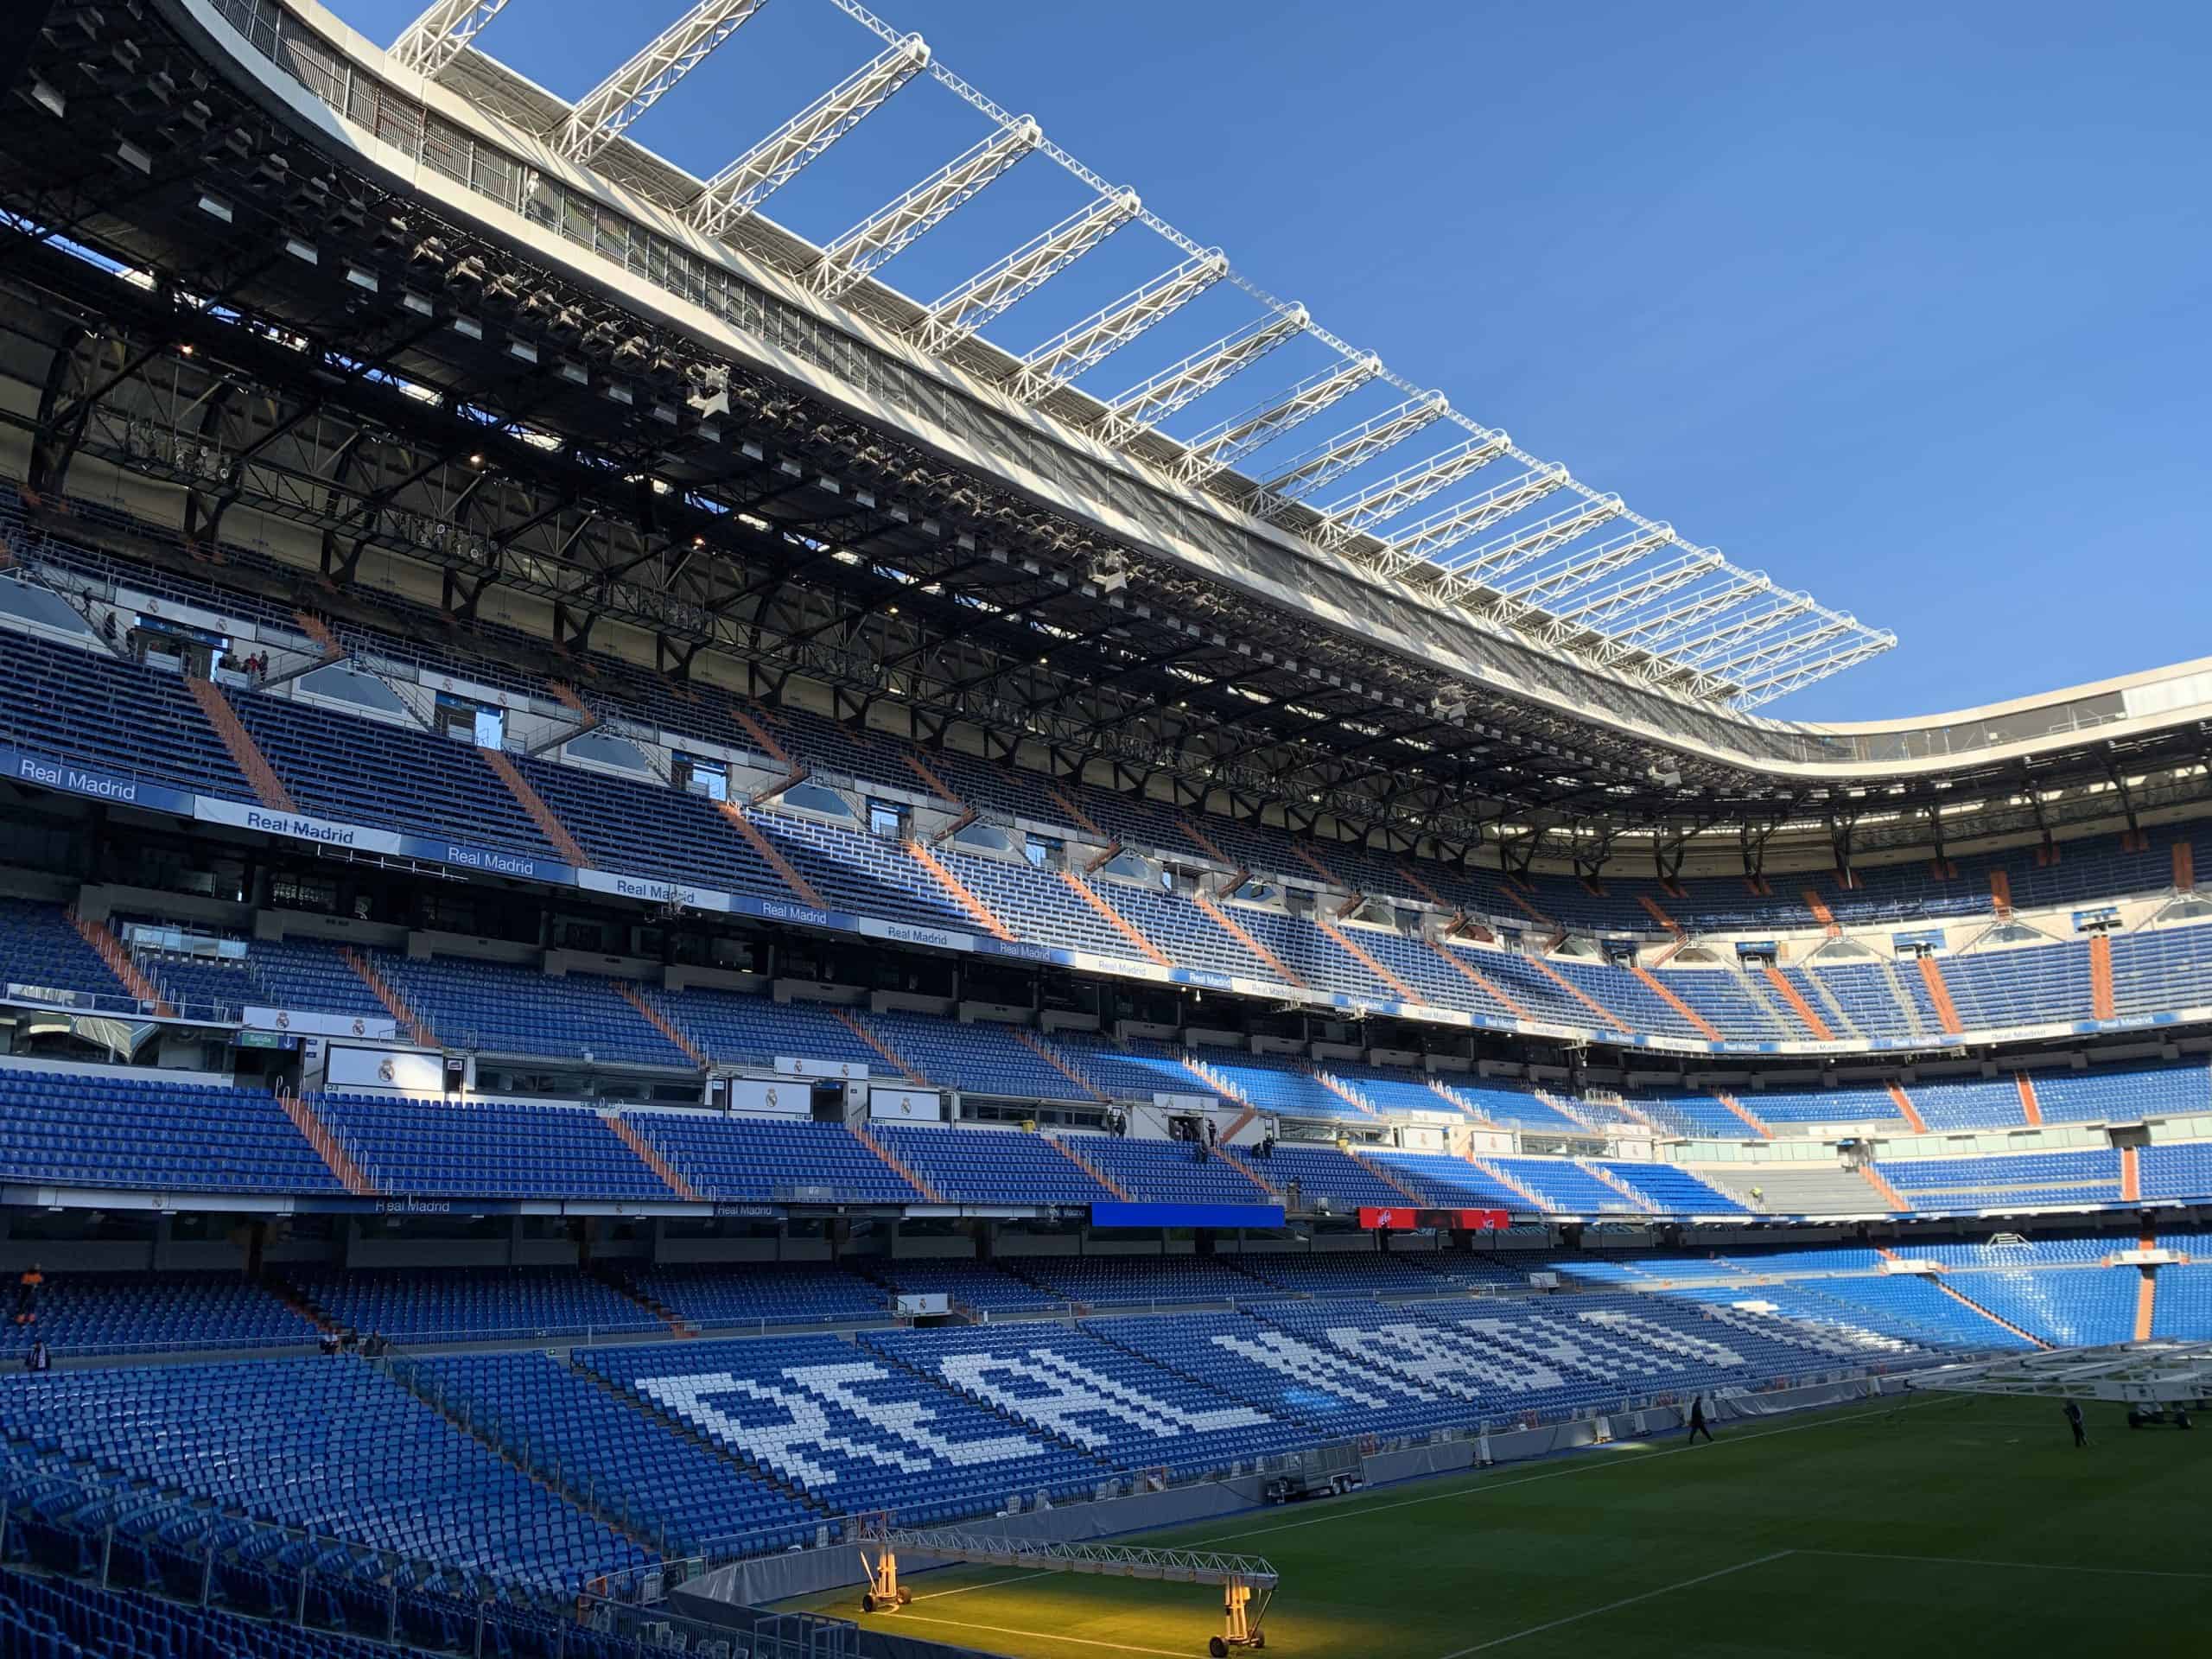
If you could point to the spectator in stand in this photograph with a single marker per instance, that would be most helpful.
(27, 1289)
(38, 1360)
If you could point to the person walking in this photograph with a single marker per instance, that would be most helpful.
(2073, 1422)
(1698, 1424)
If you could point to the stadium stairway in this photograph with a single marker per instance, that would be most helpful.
(1236, 930)
(2101, 1003)
(1906, 1110)
(1887, 1194)
(895, 1164)
(2131, 1175)
(1384, 1176)
(957, 890)
(1360, 954)
(327, 1147)
(772, 855)
(1660, 990)
(678, 1327)
(1060, 1146)
(2147, 1297)
(1498, 1175)
(1749, 1118)
(648, 1155)
(1480, 981)
(2030, 1108)
(1818, 1028)
(533, 805)
(1050, 1056)
(119, 963)
(661, 1022)
(1599, 1172)
(1957, 1295)
(935, 784)
(1305, 857)
(1939, 997)
(897, 1061)
(1820, 911)
(1580, 995)
(245, 754)
(1113, 918)
(1343, 1091)
(396, 1005)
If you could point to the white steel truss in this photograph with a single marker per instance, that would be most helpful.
(992, 290)
(1419, 544)
(1806, 635)
(1351, 448)
(1386, 499)
(1078, 350)
(2163, 1371)
(1550, 588)
(1221, 447)
(1615, 605)
(1653, 636)
(1811, 666)
(601, 114)
(892, 227)
(1144, 405)
(442, 33)
(1707, 651)
(741, 187)
(1485, 564)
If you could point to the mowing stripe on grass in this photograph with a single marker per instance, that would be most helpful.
(1580, 1466)
(2025, 1567)
(1045, 1636)
(1615, 1606)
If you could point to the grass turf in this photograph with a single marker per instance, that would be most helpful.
(1948, 1526)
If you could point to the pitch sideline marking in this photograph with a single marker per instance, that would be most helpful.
(2025, 1567)
(987, 1584)
(1580, 1466)
(1625, 1601)
(1045, 1636)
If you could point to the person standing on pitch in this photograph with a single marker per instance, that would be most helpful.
(2073, 1422)
(1698, 1424)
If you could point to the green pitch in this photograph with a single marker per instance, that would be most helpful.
(1948, 1527)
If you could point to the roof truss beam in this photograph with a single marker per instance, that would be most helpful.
(1220, 448)
(1150, 402)
(1481, 567)
(990, 292)
(1349, 449)
(741, 187)
(1420, 543)
(442, 33)
(605, 113)
(1075, 351)
(892, 227)
(1384, 500)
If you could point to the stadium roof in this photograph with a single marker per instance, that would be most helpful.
(394, 320)
(1540, 552)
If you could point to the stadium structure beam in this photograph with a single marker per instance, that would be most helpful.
(1481, 567)
(1385, 499)
(1150, 402)
(890, 228)
(445, 30)
(1075, 351)
(1420, 543)
(1221, 446)
(1704, 651)
(1655, 636)
(992, 291)
(1351, 448)
(601, 115)
(1808, 634)
(1546, 589)
(1866, 644)
(741, 187)
(1625, 599)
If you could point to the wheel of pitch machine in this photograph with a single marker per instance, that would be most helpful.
(1217, 1647)
(867, 1602)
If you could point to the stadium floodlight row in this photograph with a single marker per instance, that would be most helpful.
(508, 341)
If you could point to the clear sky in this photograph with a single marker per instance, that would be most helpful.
(1906, 305)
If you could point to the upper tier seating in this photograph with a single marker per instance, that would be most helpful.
(328, 1445)
(2022, 1179)
(1670, 1189)
(58, 1129)
(489, 1150)
(2123, 1093)
(1320, 1172)
(1108, 1279)
(732, 1028)
(854, 1432)
(975, 1285)
(85, 706)
(977, 1058)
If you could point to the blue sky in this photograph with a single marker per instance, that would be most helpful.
(1904, 305)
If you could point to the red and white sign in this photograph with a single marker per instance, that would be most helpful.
(1401, 1218)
